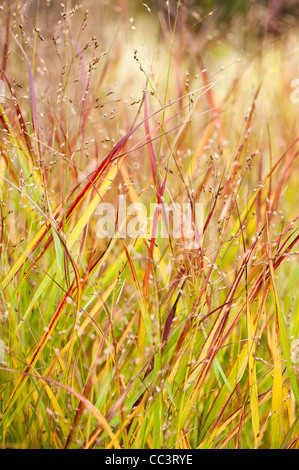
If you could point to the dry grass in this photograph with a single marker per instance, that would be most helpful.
(142, 343)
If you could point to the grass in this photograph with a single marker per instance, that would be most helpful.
(141, 342)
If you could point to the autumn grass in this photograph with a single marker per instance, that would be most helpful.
(142, 342)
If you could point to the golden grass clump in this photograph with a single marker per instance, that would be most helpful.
(141, 342)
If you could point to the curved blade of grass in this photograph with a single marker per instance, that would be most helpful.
(96, 413)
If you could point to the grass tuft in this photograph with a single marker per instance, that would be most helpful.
(141, 341)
